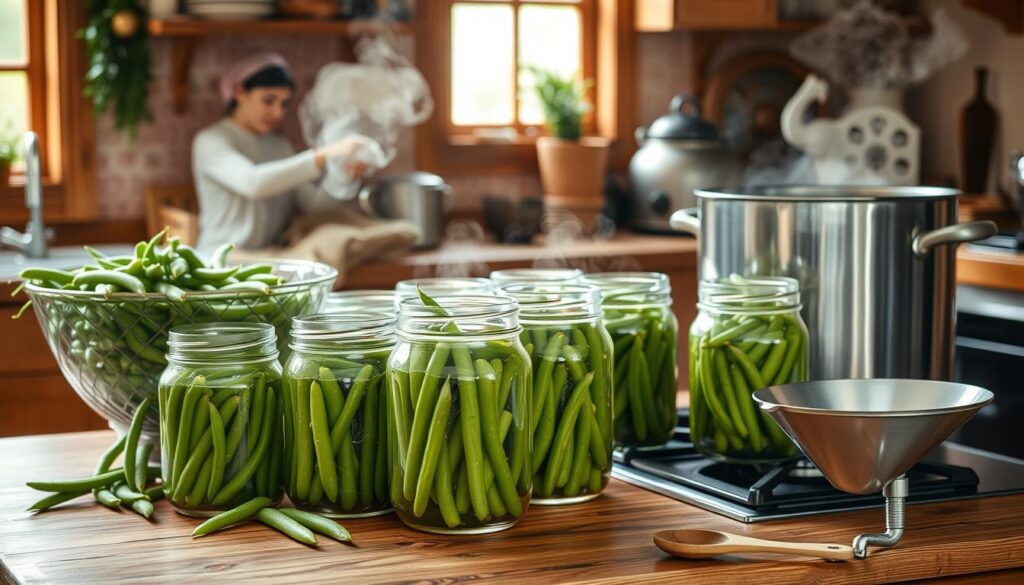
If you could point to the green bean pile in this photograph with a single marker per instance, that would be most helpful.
(111, 346)
(572, 410)
(122, 486)
(645, 343)
(220, 432)
(734, 357)
(336, 432)
(459, 434)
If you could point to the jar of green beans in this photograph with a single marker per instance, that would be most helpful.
(748, 334)
(638, 315)
(220, 416)
(335, 414)
(572, 382)
(459, 415)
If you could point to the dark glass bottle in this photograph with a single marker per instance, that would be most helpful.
(977, 132)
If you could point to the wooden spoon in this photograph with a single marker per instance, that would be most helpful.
(698, 544)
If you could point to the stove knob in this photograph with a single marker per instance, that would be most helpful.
(660, 202)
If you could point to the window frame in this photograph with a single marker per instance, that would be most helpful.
(34, 68)
(440, 150)
(588, 50)
(60, 114)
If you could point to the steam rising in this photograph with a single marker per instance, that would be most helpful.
(376, 98)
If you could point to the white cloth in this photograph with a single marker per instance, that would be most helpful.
(249, 185)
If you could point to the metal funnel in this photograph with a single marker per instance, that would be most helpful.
(865, 434)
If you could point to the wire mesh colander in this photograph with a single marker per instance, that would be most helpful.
(111, 347)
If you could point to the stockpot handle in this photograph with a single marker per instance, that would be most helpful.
(953, 234)
(366, 201)
(686, 220)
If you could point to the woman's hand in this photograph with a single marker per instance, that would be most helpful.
(357, 149)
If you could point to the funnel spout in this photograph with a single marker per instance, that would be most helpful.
(895, 493)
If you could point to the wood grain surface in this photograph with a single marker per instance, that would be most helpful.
(608, 540)
(990, 269)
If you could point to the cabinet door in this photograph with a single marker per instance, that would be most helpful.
(726, 14)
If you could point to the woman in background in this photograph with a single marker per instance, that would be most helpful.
(249, 180)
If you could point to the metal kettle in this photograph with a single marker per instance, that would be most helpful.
(679, 152)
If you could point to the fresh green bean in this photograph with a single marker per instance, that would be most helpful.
(424, 483)
(286, 525)
(132, 443)
(231, 517)
(78, 484)
(318, 524)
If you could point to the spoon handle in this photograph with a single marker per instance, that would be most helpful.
(834, 552)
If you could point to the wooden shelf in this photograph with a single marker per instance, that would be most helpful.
(192, 27)
(186, 33)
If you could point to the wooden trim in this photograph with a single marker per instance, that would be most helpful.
(1001, 270)
(69, 139)
(613, 96)
(37, 82)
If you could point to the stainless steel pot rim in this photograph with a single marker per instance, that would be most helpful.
(763, 398)
(830, 193)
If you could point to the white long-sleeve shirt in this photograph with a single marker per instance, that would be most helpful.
(249, 185)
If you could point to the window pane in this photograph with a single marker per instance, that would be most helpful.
(13, 104)
(549, 39)
(12, 32)
(482, 64)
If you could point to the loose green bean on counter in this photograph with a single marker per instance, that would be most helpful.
(221, 437)
(336, 432)
(572, 418)
(645, 345)
(736, 356)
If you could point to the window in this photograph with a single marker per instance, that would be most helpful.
(22, 71)
(42, 73)
(493, 47)
(475, 54)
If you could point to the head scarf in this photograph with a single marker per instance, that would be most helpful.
(234, 77)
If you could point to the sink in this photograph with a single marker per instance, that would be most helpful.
(11, 263)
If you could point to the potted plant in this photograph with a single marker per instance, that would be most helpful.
(572, 166)
(8, 154)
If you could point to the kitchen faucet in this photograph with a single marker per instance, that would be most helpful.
(33, 242)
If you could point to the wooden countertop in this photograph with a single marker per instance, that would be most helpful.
(625, 251)
(607, 540)
(990, 268)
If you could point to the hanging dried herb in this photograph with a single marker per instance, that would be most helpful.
(118, 75)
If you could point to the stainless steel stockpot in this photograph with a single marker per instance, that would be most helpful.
(876, 274)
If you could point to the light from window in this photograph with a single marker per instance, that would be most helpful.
(483, 64)
(549, 39)
(486, 88)
(14, 108)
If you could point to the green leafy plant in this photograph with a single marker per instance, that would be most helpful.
(119, 73)
(563, 102)
(8, 151)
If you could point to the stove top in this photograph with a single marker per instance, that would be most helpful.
(755, 493)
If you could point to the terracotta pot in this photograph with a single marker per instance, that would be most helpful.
(5, 175)
(573, 170)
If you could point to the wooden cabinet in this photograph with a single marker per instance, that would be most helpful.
(666, 15)
(34, 396)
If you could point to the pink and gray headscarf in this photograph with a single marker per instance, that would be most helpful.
(234, 77)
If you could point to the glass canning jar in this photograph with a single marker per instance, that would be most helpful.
(536, 275)
(748, 334)
(441, 287)
(220, 416)
(572, 382)
(459, 415)
(349, 301)
(335, 414)
(637, 311)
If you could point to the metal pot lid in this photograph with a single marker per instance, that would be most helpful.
(683, 122)
(832, 193)
(419, 178)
